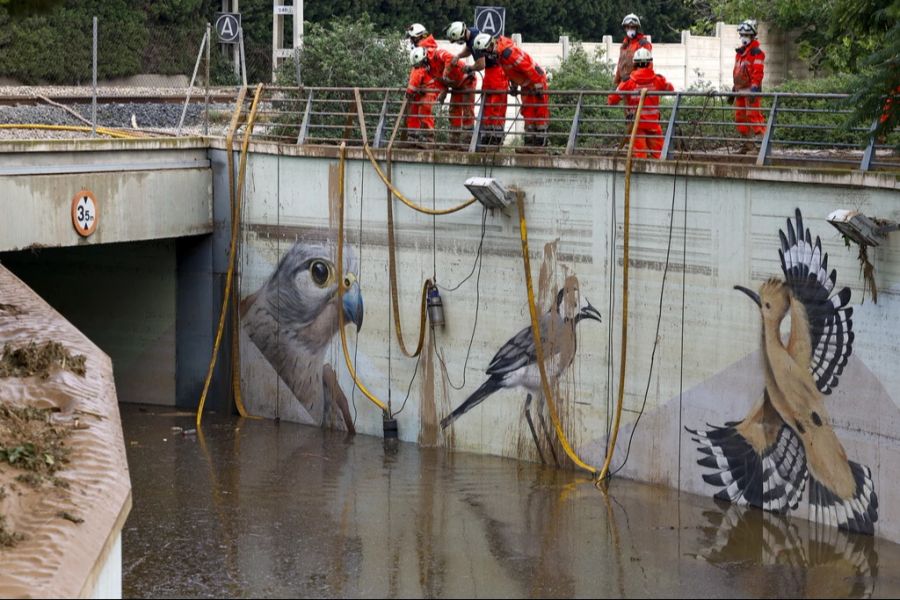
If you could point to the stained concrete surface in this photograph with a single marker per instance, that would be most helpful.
(254, 508)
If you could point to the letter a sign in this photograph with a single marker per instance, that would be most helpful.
(228, 26)
(490, 19)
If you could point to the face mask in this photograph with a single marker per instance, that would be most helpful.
(631, 32)
(745, 40)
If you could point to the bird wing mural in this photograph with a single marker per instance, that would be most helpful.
(787, 440)
(805, 269)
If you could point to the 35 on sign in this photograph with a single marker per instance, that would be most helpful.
(84, 213)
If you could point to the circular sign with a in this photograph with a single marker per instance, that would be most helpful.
(84, 213)
(228, 26)
(490, 19)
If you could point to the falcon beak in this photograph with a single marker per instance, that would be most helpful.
(753, 295)
(353, 305)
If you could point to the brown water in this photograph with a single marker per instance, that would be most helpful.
(255, 508)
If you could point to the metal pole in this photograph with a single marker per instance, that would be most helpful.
(94, 98)
(766, 145)
(243, 58)
(206, 95)
(187, 98)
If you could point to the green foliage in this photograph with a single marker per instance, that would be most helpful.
(347, 53)
(376, 59)
(582, 71)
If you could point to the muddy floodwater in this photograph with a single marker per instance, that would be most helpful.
(252, 508)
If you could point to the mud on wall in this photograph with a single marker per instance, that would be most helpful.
(708, 368)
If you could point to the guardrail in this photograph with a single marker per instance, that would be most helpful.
(807, 128)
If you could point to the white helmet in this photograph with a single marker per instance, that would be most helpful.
(642, 56)
(483, 42)
(748, 27)
(456, 32)
(417, 56)
(631, 19)
(416, 30)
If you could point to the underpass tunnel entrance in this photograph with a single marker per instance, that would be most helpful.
(146, 304)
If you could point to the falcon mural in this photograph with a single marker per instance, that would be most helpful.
(786, 443)
(293, 317)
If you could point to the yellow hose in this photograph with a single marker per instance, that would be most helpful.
(407, 201)
(604, 472)
(101, 130)
(392, 274)
(229, 277)
(538, 345)
(342, 288)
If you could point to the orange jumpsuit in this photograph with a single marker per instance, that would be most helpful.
(462, 87)
(423, 92)
(626, 56)
(748, 76)
(649, 132)
(521, 70)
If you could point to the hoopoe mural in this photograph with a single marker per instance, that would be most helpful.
(786, 444)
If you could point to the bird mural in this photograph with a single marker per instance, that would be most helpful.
(515, 364)
(786, 444)
(293, 317)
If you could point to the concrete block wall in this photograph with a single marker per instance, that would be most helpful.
(708, 365)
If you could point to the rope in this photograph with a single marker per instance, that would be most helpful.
(538, 346)
(342, 288)
(604, 472)
(407, 201)
(229, 277)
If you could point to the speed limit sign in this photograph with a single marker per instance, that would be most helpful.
(84, 213)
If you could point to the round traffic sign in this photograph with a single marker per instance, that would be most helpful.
(228, 26)
(489, 19)
(84, 213)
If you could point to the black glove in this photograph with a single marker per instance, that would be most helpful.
(755, 89)
(513, 89)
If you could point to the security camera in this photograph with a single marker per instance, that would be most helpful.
(860, 228)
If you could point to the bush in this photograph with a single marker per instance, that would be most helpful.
(343, 53)
(830, 124)
(581, 71)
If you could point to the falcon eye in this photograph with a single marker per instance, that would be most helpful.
(319, 272)
(768, 305)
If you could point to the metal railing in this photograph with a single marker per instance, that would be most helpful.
(792, 128)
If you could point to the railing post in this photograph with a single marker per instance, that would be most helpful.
(361, 116)
(666, 152)
(304, 125)
(866, 163)
(379, 129)
(573, 131)
(766, 146)
(476, 132)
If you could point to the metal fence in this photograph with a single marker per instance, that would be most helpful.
(795, 128)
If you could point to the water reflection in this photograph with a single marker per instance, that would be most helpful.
(251, 508)
(819, 560)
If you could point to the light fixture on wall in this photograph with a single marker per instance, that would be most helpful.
(860, 228)
(489, 192)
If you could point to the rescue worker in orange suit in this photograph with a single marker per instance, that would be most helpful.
(422, 91)
(522, 71)
(634, 41)
(495, 83)
(649, 133)
(748, 76)
(437, 65)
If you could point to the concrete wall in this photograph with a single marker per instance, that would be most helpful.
(698, 61)
(724, 231)
(145, 189)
